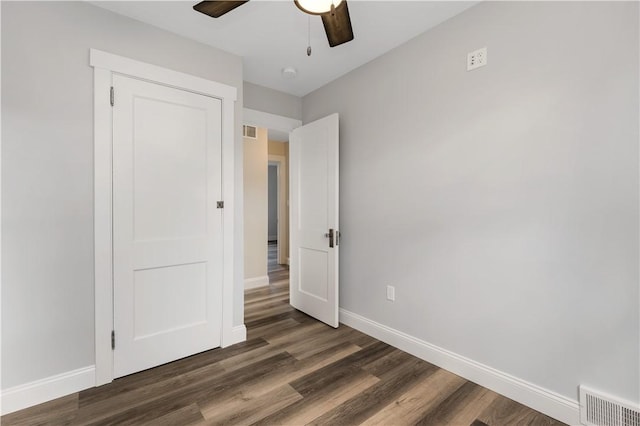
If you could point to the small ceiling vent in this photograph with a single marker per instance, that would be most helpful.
(598, 409)
(250, 132)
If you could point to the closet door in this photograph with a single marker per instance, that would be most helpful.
(167, 231)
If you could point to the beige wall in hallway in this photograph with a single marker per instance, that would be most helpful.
(255, 206)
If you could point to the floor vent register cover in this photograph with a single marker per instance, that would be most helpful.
(598, 409)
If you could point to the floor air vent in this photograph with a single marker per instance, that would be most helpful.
(598, 409)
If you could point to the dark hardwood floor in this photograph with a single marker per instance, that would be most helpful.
(291, 370)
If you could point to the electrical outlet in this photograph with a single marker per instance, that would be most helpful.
(391, 293)
(477, 59)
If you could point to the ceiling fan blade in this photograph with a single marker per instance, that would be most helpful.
(337, 25)
(218, 8)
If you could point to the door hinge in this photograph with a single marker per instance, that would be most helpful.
(220, 204)
(113, 339)
(112, 96)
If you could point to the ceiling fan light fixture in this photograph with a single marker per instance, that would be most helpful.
(317, 7)
(334, 14)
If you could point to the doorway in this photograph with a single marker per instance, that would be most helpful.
(314, 230)
(277, 215)
(109, 68)
(266, 251)
(278, 200)
(277, 267)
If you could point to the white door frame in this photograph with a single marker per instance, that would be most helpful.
(105, 65)
(267, 120)
(281, 165)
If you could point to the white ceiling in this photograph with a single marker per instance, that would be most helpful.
(272, 35)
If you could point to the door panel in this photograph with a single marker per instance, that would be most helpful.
(169, 174)
(314, 265)
(158, 307)
(167, 230)
(313, 158)
(313, 184)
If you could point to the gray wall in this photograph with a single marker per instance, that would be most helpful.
(47, 172)
(502, 203)
(272, 101)
(272, 201)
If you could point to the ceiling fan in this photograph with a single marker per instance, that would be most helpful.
(334, 13)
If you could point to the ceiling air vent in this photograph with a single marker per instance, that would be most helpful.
(598, 409)
(250, 132)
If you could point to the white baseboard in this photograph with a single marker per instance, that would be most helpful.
(536, 397)
(39, 391)
(256, 282)
(238, 334)
(34, 393)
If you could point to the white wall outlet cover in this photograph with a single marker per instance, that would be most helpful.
(391, 293)
(476, 59)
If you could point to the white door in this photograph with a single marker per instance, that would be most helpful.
(313, 159)
(167, 231)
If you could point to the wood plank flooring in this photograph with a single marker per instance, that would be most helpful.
(291, 370)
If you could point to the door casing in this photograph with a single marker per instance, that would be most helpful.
(105, 65)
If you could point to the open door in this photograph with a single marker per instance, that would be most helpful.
(314, 246)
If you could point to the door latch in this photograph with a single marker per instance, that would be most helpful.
(330, 235)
